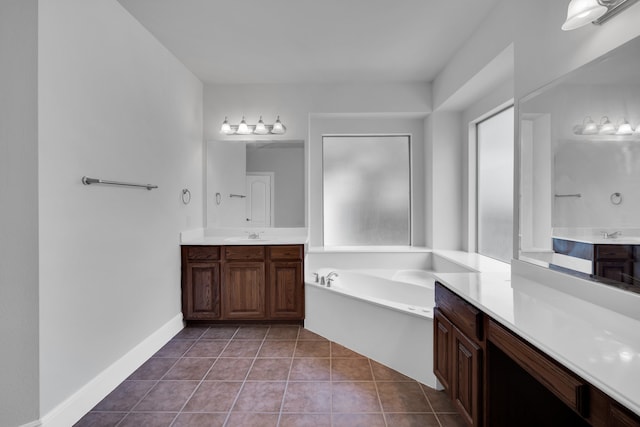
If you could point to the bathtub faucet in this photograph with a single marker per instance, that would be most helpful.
(330, 277)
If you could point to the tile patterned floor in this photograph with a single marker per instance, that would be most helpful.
(262, 375)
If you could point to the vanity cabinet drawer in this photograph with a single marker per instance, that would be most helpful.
(285, 252)
(243, 253)
(462, 314)
(613, 252)
(203, 253)
(573, 391)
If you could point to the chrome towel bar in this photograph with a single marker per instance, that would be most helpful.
(87, 181)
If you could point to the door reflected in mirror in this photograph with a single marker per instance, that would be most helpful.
(580, 171)
(255, 184)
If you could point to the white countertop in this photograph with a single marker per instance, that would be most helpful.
(598, 344)
(594, 236)
(239, 236)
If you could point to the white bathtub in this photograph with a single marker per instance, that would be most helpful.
(386, 315)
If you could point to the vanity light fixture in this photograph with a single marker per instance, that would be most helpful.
(606, 127)
(588, 127)
(226, 127)
(625, 128)
(243, 129)
(278, 127)
(582, 12)
(258, 129)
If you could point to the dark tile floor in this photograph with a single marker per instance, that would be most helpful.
(265, 375)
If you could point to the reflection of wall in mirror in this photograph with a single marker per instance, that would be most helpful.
(597, 166)
(226, 171)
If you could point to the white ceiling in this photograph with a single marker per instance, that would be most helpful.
(311, 41)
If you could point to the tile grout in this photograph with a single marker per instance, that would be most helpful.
(309, 353)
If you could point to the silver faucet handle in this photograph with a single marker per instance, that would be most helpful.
(329, 280)
(316, 277)
(322, 280)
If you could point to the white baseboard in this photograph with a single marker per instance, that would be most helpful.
(32, 424)
(77, 405)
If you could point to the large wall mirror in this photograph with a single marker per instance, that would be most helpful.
(580, 171)
(255, 184)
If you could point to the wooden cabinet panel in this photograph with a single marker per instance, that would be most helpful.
(613, 252)
(466, 378)
(461, 313)
(285, 252)
(203, 253)
(619, 271)
(286, 299)
(244, 290)
(566, 386)
(242, 253)
(442, 345)
(202, 289)
(619, 417)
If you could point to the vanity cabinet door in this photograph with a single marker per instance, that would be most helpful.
(619, 271)
(442, 345)
(201, 291)
(466, 379)
(244, 290)
(286, 290)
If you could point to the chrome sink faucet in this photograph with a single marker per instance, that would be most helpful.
(330, 277)
(253, 235)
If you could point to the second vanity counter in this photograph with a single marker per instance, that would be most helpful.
(243, 236)
(598, 344)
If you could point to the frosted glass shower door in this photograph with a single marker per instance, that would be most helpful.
(366, 190)
(495, 186)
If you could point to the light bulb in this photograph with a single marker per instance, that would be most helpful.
(226, 127)
(243, 129)
(606, 127)
(625, 129)
(261, 129)
(581, 12)
(278, 127)
(590, 127)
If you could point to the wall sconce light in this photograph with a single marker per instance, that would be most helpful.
(582, 12)
(258, 129)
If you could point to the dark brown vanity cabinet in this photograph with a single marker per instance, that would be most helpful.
(620, 263)
(201, 283)
(497, 379)
(226, 283)
(458, 353)
(614, 262)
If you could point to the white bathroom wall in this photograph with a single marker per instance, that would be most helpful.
(544, 52)
(384, 107)
(113, 104)
(358, 125)
(294, 103)
(19, 401)
(226, 172)
(594, 166)
(443, 148)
